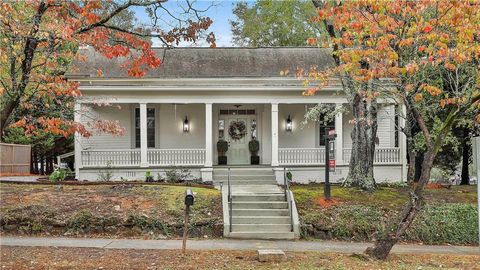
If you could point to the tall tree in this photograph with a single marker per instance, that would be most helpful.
(362, 99)
(40, 39)
(273, 23)
(422, 54)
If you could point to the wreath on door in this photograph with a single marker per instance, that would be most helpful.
(237, 130)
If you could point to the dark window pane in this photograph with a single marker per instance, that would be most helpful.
(137, 138)
(150, 127)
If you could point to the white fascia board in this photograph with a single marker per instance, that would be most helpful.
(200, 88)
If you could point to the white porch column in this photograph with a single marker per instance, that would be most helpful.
(274, 134)
(143, 135)
(77, 144)
(339, 131)
(208, 135)
(402, 141)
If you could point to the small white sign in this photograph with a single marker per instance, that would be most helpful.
(221, 124)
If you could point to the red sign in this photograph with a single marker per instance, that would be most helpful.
(331, 163)
(331, 132)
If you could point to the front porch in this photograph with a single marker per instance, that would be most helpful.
(155, 138)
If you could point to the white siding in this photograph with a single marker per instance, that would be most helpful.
(171, 133)
(301, 136)
(102, 140)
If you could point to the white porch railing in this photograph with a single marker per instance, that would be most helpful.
(179, 157)
(131, 157)
(384, 155)
(301, 156)
(102, 158)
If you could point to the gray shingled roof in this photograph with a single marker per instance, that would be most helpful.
(216, 62)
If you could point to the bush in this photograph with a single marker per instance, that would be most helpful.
(175, 175)
(356, 222)
(30, 218)
(59, 174)
(453, 223)
(435, 224)
(107, 174)
(80, 220)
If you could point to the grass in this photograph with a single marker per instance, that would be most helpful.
(388, 197)
(112, 210)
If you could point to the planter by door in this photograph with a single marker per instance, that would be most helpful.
(222, 148)
(253, 147)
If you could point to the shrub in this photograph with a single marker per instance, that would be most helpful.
(30, 218)
(59, 174)
(356, 222)
(177, 175)
(254, 146)
(453, 223)
(148, 177)
(148, 224)
(435, 224)
(107, 174)
(80, 220)
(222, 147)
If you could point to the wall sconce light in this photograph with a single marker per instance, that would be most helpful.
(186, 125)
(289, 124)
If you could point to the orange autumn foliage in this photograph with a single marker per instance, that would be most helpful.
(41, 38)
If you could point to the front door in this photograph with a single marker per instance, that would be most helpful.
(237, 135)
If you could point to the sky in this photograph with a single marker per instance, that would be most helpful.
(219, 11)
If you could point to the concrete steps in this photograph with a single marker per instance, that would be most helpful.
(259, 197)
(259, 207)
(267, 235)
(260, 220)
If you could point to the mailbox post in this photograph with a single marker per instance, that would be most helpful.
(329, 161)
(189, 199)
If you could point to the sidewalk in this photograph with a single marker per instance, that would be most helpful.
(230, 244)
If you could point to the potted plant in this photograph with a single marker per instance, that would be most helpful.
(222, 148)
(254, 146)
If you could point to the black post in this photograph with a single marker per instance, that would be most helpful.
(185, 228)
(326, 189)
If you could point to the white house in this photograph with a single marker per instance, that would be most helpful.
(175, 115)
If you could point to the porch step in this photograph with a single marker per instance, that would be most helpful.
(280, 197)
(262, 235)
(259, 212)
(261, 227)
(243, 171)
(245, 182)
(260, 220)
(244, 177)
(259, 205)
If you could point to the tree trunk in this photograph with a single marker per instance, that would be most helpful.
(382, 247)
(419, 157)
(35, 163)
(42, 165)
(363, 145)
(465, 158)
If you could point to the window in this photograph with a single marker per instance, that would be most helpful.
(150, 127)
(397, 122)
(324, 128)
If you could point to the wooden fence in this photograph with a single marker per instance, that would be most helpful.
(15, 158)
